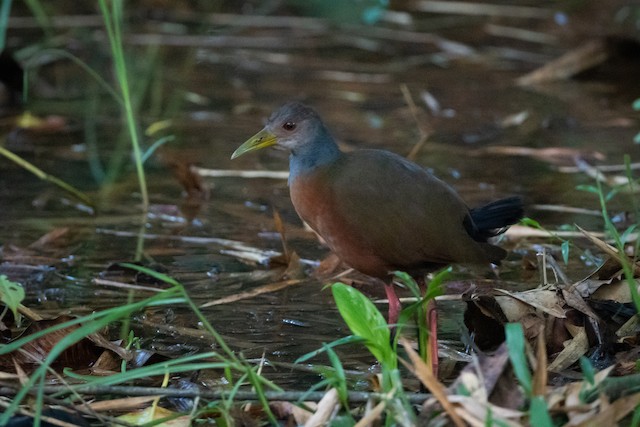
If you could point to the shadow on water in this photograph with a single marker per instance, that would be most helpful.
(217, 92)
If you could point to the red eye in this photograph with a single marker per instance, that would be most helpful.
(289, 126)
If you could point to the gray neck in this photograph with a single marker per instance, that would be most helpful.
(323, 150)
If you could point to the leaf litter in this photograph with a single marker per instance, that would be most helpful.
(565, 324)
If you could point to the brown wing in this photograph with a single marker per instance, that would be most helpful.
(402, 213)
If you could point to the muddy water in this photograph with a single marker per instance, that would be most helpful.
(354, 79)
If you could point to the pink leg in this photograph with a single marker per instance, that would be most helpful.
(394, 304)
(432, 322)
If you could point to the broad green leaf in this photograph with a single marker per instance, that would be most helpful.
(516, 346)
(12, 294)
(365, 321)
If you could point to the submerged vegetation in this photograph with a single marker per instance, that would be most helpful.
(86, 320)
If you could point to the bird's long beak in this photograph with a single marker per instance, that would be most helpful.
(260, 140)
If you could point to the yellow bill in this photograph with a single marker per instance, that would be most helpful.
(260, 140)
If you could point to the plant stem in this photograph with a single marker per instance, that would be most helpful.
(113, 22)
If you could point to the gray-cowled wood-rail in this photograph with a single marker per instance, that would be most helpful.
(377, 211)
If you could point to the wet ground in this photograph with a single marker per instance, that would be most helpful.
(217, 82)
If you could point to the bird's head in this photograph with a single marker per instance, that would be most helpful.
(292, 126)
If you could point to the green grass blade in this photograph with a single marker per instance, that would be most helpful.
(46, 177)
(588, 371)
(517, 355)
(539, 413)
(339, 376)
(113, 17)
(351, 339)
(5, 10)
(11, 294)
(635, 420)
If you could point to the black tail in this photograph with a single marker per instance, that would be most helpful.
(493, 219)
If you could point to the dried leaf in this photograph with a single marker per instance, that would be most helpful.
(540, 373)
(610, 250)
(425, 374)
(272, 287)
(327, 407)
(586, 56)
(617, 291)
(491, 367)
(124, 404)
(553, 155)
(284, 410)
(584, 411)
(573, 299)
(371, 416)
(541, 299)
(476, 413)
(51, 238)
(189, 179)
(78, 356)
(277, 219)
(574, 349)
(613, 412)
(155, 413)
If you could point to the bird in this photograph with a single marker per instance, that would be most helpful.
(376, 210)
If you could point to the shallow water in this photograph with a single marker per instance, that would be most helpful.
(353, 76)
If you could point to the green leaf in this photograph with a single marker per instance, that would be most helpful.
(406, 280)
(588, 188)
(488, 420)
(624, 238)
(365, 321)
(587, 370)
(635, 420)
(339, 377)
(343, 12)
(611, 194)
(565, 251)
(11, 294)
(149, 272)
(530, 222)
(516, 346)
(539, 413)
(435, 287)
(636, 104)
(345, 340)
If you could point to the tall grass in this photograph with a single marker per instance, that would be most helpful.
(112, 13)
(620, 239)
(240, 372)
